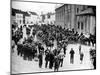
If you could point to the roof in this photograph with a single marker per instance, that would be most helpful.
(88, 11)
(26, 14)
(33, 13)
(57, 8)
(14, 11)
(49, 13)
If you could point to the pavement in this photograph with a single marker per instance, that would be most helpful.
(24, 66)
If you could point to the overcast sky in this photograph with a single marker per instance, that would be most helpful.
(34, 6)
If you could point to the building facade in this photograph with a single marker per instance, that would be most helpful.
(48, 18)
(33, 18)
(24, 18)
(86, 19)
(17, 17)
(65, 16)
(81, 18)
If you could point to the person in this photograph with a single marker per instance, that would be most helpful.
(40, 56)
(79, 49)
(56, 63)
(64, 49)
(47, 57)
(40, 48)
(81, 57)
(55, 52)
(93, 57)
(94, 62)
(72, 56)
(61, 57)
(51, 60)
(13, 46)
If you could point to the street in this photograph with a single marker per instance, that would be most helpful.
(24, 66)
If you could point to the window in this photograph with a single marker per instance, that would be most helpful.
(77, 10)
(20, 21)
(82, 25)
(48, 16)
(78, 25)
(69, 7)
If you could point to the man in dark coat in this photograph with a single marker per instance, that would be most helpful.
(40, 59)
(64, 49)
(55, 52)
(79, 49)
(47, 57)
(72, 56)
(56, 63)
(51, 60)
(41, 48)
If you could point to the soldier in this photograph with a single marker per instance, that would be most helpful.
(40, 59)
(41, 48)
(72, 56)
(19, 49)
(56, 63)
(51, 60)
(93, 57)
(55, 52)
(47, 57)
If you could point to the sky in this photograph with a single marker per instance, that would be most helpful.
(34, 6)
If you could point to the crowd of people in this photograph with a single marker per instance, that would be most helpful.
(46, 34)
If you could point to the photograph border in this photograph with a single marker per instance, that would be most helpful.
(47, 71)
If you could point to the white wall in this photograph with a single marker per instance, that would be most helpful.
(19, 17)
(32, 19)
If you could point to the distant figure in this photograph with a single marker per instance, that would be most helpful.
(56, 63)
(81, 57)
(51, 60)
(94, 62)
(64, 49)
(47, 57)
(13, 46)
(93, 57)
(72, 56)
(40, 48)
(61, 57)
(55, 52)
(79, 49)
(40, 59)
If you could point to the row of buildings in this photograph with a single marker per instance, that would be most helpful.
(24, 18)
(81, 18)
(30, 18)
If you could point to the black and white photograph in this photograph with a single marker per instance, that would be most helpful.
(52, 37)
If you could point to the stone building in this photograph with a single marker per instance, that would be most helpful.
(86, 19)
(81, 18)
(65, 16)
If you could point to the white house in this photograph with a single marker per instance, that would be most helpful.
(48, 18)
(19, 18)
(32, 19)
